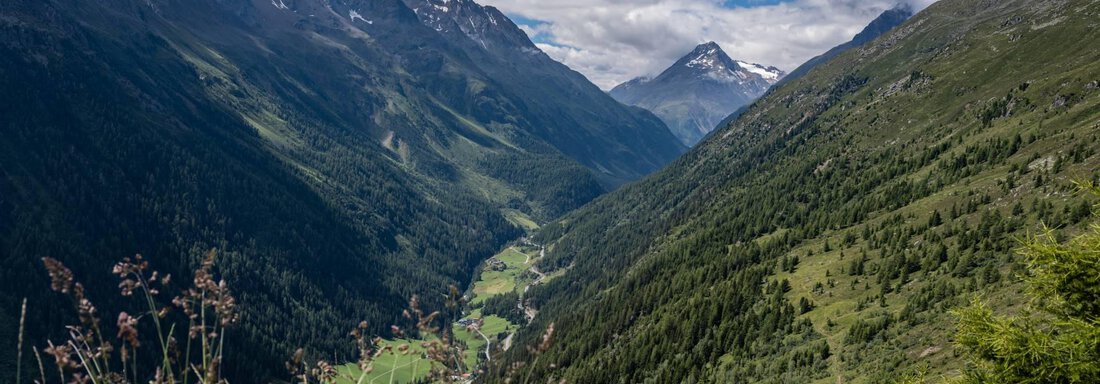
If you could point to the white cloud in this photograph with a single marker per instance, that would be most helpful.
(612, 41)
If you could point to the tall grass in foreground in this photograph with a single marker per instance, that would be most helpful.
(444, 355)
(90, 354)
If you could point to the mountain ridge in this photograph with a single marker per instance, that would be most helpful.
(883, 23)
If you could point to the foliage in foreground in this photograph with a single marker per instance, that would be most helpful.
(1057, 337)
(89, 355)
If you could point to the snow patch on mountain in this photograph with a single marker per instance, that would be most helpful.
(353, 14)
(704, 60)
(767, 73)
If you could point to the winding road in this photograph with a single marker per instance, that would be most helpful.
(488, 344)
(529, 312)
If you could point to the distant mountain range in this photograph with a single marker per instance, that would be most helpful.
(699, 90)
(706, 88)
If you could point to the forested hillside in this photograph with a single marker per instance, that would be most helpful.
(824, 235)
(340, 155)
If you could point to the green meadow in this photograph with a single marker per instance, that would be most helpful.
(396, 367)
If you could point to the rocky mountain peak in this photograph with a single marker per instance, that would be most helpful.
(485, 25)
(699, 90)
(709, 60)
(707, 56)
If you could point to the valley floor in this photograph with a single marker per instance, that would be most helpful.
(513, 270)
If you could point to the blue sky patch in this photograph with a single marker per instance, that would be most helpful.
(538, 38)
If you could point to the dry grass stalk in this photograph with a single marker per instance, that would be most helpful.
(19, 348)
(88, 355)
(41, 368)
(521, 368)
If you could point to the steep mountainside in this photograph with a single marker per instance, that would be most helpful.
(562, 107)
(824, 235)
(341, 155)
(880, 25)
(699, 90)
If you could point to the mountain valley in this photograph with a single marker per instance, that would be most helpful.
(341, 156)
(908, 207)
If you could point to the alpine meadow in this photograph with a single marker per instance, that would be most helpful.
(438, 191)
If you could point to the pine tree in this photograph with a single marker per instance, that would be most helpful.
(935, 220)
(1057, 340)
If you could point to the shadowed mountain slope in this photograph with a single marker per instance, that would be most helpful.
(341, 156)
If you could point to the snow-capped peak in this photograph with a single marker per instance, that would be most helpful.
(708, 60)
(706, 56)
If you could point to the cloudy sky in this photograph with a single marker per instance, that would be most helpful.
(612, 41)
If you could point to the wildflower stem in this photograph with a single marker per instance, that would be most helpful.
(93, 369)
(134, 365)
(187, 355)
(221, 347)
(534, 364)
(156, 321)
(202, 336)
(41, 368)
(125, 370)
(393, 369)
(60, 375)
(94, 374)
(19, 353)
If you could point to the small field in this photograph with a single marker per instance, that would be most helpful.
(493, 326)
(521, 219)
(391, 367)
(499, 282)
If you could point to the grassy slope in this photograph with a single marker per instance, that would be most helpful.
(992, 66)
(920, 90)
